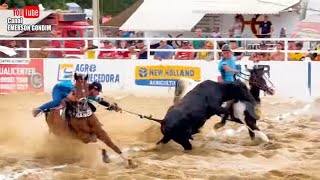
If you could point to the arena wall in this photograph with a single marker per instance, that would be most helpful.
(152, 77)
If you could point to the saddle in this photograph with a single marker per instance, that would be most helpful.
(65, 112)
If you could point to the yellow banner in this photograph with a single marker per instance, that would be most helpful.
(167, 72)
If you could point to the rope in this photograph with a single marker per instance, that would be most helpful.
(143, 116)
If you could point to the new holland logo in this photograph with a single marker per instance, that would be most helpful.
(143, 72)
(164, 75)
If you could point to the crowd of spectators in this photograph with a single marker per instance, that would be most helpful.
(138, 50)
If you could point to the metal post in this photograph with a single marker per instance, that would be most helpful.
(286, 50)
(96, 17)
(28, 51)
(215, 53)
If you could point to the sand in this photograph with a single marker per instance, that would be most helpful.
(28, 152)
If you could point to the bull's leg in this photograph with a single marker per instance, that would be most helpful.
(184, 142)
(164, 140)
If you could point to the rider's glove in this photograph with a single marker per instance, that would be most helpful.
(114, 107)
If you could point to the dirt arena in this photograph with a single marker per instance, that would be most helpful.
(26, 152)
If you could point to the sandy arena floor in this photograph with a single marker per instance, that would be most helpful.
(27, 153)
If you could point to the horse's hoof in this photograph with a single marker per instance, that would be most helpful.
(130, 164)
(105, 157)
(219, 125)
(188, 151)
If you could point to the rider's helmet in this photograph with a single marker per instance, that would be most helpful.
(95, 85)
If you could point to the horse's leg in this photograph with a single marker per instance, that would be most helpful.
(81, 129)
(252, 124)
(104, 137)
(102, 134)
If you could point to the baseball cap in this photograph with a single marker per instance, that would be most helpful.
(225, 47)
(96, 85)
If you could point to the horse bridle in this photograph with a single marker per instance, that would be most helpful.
(83, 90)
(255, 82)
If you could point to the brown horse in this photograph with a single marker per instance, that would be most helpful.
(80, 121)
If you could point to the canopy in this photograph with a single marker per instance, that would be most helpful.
(163, 15)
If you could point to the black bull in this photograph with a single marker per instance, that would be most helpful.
(185, 118)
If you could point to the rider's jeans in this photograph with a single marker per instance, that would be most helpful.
(57, 96)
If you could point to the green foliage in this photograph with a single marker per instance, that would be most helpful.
(113, 7)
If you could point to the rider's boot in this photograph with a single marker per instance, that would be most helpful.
(36, 112)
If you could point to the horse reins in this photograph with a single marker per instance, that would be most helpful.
(264, 87)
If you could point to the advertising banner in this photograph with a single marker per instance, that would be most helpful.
(164, 75)
(25, 77)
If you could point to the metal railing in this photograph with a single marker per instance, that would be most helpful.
(147, 41)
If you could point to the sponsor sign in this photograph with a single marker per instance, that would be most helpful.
(164, 76)
(95, 72)
(22, 77)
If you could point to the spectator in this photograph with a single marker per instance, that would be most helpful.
(299, 56)
(216, 33)
(123, 54)
(234, 46)
(88, 51)
(266, 28)
(283, 33)
(236, 28)
(261, 56)
(125, 34)
(315, 56)
(107, 54)
(160, 55)
(231, 33)
(142, 50)
(291, 45)
(54, 44)
(4, 5)
(198, 44)
(185, 55)
(206, 55)
(278, 56)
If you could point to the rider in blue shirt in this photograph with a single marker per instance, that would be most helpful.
(64, 90)
(227, 65)
(227, 68)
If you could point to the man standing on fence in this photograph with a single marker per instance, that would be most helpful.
(266, 28)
